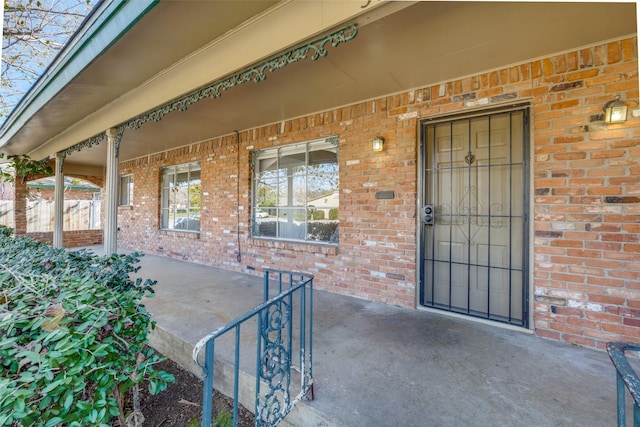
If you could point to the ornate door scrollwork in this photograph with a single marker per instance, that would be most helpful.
(469, 158)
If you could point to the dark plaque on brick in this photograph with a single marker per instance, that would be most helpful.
(386, 194)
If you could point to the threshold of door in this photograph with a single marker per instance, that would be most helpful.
(477, 319)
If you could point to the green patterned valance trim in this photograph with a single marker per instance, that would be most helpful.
(94, 140)
(256, 74)
(314, 50)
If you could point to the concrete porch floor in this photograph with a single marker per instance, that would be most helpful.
(377, 365)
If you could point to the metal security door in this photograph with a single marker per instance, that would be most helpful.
(474, 239)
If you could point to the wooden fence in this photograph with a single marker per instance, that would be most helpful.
(78, 215)
(6, 213)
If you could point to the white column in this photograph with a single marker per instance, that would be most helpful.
(58, 203)
(110, 236)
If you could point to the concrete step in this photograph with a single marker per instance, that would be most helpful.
(180, 351)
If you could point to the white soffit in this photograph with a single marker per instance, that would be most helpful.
(285, 25)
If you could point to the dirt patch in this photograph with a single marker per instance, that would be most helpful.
(181, 403)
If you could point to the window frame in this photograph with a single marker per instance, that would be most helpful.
(129, 193)
(172, 188)
(295, 213)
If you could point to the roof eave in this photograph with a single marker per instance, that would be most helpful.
(218, 58)
(103, 27)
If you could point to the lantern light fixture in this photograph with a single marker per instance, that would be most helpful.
(615, 111)
(378, 143)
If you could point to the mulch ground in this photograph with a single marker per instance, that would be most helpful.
(181, 403)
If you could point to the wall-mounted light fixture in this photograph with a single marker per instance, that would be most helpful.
(615, 111)
(378, 143)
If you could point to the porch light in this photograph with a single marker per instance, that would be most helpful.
(378, 143)
(615, 111)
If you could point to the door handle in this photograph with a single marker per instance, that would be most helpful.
(427, 215)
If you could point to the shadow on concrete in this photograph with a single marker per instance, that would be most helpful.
(378, 365)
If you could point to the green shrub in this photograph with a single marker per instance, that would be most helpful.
(223, 419)
(74, 336)
(23, 167)
(5, 231)
(317, 215)
(333, 214)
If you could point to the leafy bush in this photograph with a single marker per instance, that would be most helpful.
(333, 214)
(74, 336)
(317, 215)
(23, 167)
(5, 231)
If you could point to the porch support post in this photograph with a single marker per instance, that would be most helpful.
(110, 237)
(19, 205)
(58, 203)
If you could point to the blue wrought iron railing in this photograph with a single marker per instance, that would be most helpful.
(283, 350)
(626, 378)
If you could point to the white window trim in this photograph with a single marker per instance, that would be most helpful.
(300, 147)
(164, 227)
(129, 177)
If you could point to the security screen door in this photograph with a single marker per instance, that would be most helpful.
(473, 241)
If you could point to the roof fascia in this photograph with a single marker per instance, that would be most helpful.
(102, 28)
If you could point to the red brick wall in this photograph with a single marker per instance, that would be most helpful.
(383, 269)
(20, 207)
(71, 239)
(586, 184)
(587, 194)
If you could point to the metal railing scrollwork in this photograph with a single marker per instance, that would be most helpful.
(283, 350)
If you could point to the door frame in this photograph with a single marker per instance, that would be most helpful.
(528, 212)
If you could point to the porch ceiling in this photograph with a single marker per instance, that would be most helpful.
(400, 46)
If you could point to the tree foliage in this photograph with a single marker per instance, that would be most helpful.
(22, 166)
(74, 336)
(33, 32)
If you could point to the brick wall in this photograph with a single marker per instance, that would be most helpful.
(587, 194)
(71, 239)
(20, 206)
(384, 270)
(586, 183)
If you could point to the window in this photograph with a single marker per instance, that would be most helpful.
(125, 190)
(181, 197)
(295, 192)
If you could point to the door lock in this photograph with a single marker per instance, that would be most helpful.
(427, 217)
